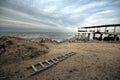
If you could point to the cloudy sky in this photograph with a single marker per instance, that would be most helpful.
(56, 15)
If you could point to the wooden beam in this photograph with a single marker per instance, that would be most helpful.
(109, 25)
(114, 29)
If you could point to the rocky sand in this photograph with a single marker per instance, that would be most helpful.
(92, 61)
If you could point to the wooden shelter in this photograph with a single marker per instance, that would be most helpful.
(110, 30)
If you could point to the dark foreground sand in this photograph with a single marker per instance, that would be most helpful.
(93, 61)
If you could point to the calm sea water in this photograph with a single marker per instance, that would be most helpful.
(30, 35)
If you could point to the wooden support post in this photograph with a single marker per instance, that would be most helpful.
(115, 37)
(84, 35)
(88, 36)
(114, 29)
(105, 29)
(101, 36)
(78, 36)
(93, 35)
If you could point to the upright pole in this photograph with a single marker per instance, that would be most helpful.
(105, 29)
(88, 36)
(94, 35)
(101, 36)
(78, 36)
(114, 29)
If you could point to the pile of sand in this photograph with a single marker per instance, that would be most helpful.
(14, 49)
(44, 40)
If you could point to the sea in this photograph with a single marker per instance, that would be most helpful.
(58, 36)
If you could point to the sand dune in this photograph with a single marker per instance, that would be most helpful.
(16, 49)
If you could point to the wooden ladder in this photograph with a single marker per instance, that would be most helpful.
(41, 66)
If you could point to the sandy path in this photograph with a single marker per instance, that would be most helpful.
(93, 61)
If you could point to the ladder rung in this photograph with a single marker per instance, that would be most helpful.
(54, 61)
(41, 64)
(51, 61)
(48, 62)
(56, 58)
(34, 68)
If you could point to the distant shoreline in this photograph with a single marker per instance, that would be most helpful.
(50, 40)
(59, 36)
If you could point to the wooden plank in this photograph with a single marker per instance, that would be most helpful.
(42, 64)
(109, 25)
(33, 67)
(48, 62)
(56, 58)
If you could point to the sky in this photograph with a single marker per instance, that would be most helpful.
(57, 15)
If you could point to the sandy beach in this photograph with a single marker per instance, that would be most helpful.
(92, 61)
